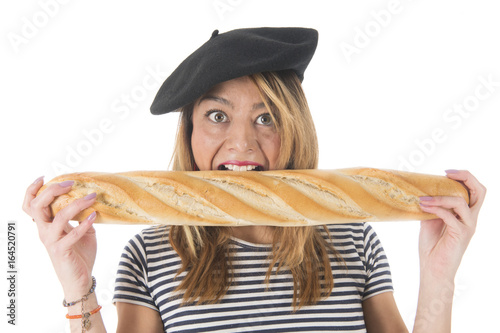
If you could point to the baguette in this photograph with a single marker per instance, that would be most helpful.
(233, 198)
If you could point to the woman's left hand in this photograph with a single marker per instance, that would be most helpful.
(443, 241)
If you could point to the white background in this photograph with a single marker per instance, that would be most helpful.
(69, 67)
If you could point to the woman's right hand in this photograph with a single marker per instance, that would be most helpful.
(72, 250)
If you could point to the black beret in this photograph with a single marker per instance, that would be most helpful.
(234, 54)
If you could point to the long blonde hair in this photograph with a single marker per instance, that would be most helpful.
(204, 251)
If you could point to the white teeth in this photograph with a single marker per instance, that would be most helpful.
(240, 168)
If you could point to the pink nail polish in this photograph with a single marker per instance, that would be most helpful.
(451, 171)
(91, 216)
(425, 198)
(39, 179)
(67, 183)
(90, 196)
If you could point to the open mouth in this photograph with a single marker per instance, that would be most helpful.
(234, 167)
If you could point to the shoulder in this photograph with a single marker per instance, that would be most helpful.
(155, 233)
(142, 252)
(150, 242)
(358, 238)
(347, 228)
(152, 236)
(357, 231)
(349, 232)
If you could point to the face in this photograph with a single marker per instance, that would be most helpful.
(232, 129)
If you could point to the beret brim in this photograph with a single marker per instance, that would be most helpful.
(234, 54)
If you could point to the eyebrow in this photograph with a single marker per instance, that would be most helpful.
(224, 101)
(217, 99)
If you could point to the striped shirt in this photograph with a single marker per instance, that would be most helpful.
(149, 264)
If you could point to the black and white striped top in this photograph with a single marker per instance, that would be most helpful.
(149, 264)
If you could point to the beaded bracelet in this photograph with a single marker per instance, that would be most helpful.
(84, 298)
(86, 323)
(85, 315)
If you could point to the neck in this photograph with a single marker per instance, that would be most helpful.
(254, 234)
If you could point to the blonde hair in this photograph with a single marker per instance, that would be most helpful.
(204, 251)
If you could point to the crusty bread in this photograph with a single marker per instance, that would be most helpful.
(281, 198)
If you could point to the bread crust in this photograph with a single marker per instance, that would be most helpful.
(279, 198)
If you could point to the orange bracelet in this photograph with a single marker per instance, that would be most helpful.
(86, 315)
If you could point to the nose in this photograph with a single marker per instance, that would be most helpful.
(242, 137)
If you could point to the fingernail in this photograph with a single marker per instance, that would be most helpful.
(91, 216)
(451, 171)
(425, 198)
(39, 179)
(90, 196)
(67, 183)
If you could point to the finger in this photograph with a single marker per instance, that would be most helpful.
(78, 232)
(70, 211)
(477, 191)
(447, 216)
(456, 204)
(40, 206)
(31, 192)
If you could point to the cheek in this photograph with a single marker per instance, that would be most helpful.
(204, 147)
(271, 146)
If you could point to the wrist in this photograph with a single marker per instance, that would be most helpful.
(83, 308)
(89, 304)
(74, 296)
(77, 288)
(437, 277)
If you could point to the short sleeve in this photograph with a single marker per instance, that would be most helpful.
(378, 273)
(131, 285)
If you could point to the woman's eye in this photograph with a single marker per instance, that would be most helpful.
(265, 119)
(217, 116)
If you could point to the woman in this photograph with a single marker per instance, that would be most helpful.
(243, 107)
